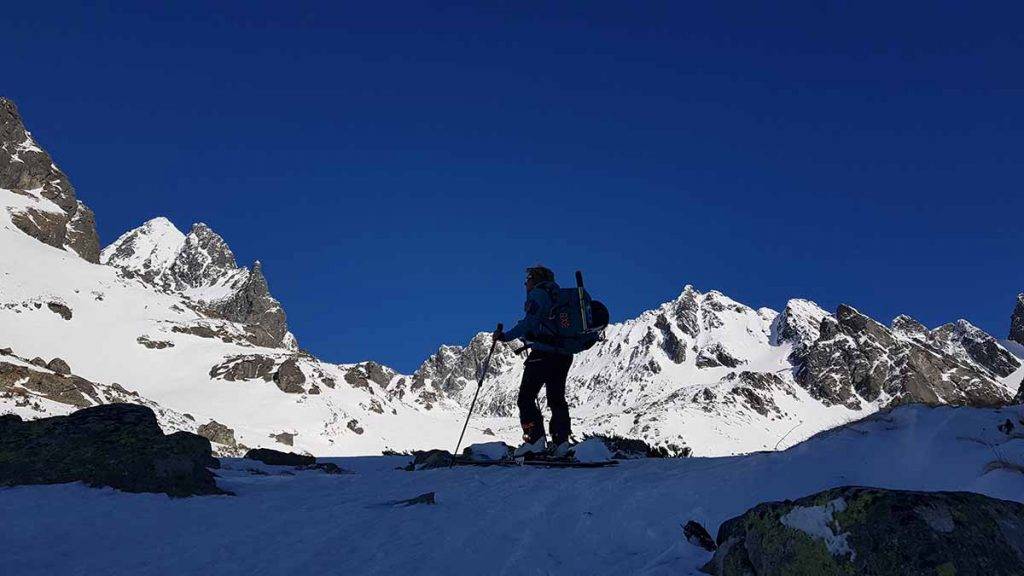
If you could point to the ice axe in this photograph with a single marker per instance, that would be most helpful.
(479, 384)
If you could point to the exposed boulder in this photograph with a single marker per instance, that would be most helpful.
(216, 432)
(278, 458)
(26, 168)
(854, 530)
(60, 309)
(286, 438)
(37, 361)
(116, 445)
(354, 426)
(59, 366)
(289, 377)
(6, 351)
(696, 534)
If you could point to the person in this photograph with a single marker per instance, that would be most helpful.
(546, 367)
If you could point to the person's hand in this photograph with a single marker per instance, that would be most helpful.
(498, 336)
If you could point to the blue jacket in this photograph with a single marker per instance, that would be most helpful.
(538, 306)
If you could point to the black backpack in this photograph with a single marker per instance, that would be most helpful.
(576, 321)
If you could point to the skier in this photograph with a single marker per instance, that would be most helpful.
(546, 366)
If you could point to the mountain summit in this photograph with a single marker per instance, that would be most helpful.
(200, 266)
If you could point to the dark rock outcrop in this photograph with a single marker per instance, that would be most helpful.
(286, 438)
(154, 344)
(853, 530)
(24, 166)
(116, 445)
(278, 458)
(60, 309)
(65, 389)
(244, 368)
(216, 432)
(251, 304)
(59, 366)
(289, 377)
(697, 535)
(1017, 321)
(716, 355)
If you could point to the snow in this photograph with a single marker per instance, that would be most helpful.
(488, 451)
(817, 521)
(155, 245)
(592, 450)
(620, 520)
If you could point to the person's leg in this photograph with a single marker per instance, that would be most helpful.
(558, 370)
(529, 415)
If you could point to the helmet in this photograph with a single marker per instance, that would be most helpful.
(538, 274)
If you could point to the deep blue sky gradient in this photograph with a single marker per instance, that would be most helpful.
(395, 166)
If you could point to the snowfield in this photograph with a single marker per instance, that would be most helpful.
(622, 520)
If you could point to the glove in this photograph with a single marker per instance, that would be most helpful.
(498, 336)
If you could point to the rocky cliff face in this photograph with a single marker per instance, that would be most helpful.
(1017, 321)
(202, 267)
(857, 360)
(54, 215)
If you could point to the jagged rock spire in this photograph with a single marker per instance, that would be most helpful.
(1017, 321)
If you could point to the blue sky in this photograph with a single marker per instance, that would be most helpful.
(396, 167)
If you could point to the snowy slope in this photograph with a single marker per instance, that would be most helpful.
(101, 342)
(623, 520)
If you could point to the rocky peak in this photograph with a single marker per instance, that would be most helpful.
(147, 251)
(252, 304)
(201, 266)
(1017, 321)
(799, 324)
(204, 259)
(63, 221)
(972, 345)
(908, 327)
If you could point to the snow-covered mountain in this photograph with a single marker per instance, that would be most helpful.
(201, 267)
(171, 320)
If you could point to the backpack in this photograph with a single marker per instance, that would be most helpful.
(575, 321)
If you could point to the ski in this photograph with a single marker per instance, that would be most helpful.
(538, 462)
(548, 462)
(570, 463)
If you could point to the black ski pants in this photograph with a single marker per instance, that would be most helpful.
(547, 370)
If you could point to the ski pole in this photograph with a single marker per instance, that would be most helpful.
(479, 384)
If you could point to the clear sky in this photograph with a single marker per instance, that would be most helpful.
(395, 166)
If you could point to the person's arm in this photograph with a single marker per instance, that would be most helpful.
(535, 306)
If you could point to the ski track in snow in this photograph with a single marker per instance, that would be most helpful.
(623, 520)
